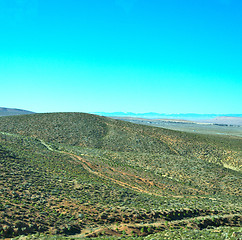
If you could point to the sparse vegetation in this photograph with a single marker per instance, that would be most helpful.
(71, 173)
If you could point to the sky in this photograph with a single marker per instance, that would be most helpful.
(164, 56)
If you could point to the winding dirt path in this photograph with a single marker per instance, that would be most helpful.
(130, 228)
(87, 166)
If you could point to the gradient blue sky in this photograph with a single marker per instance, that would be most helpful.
(165, 56)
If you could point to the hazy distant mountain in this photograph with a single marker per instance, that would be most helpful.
(186, 116)
(13, 111)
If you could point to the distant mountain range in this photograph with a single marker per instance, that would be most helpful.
(185, 116)
(218, 118)
(13, 111)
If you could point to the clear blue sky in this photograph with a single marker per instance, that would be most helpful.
(165, 56)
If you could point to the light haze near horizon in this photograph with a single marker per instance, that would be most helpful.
(119, 55)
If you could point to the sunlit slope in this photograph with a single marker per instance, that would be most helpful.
(65, 173)
(92, 131)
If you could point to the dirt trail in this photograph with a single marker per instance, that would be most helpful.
(87, 166)
(130, 228)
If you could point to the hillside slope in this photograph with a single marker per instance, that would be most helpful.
(68, 173)
(86, 130)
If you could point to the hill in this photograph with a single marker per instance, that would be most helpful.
(92, 131)
(77, 173)
(13, 111)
